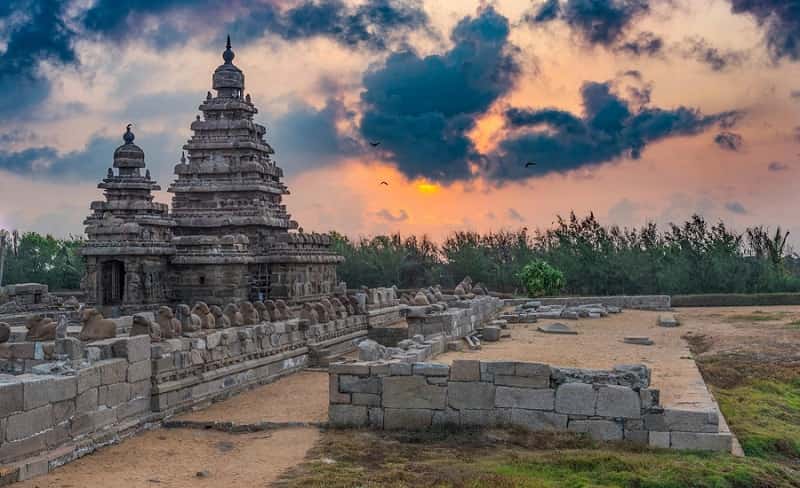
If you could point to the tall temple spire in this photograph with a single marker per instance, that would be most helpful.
(228, 55)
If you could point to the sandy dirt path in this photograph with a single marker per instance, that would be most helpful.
(172, 458)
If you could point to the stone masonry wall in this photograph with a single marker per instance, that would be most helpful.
(60, 417)
(607, 405)
(641, 302)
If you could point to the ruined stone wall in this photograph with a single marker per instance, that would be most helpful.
(460, 319)
(47, 420)
(641, 302)
(606, 405)
(214, 284)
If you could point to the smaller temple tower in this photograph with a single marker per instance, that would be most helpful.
(129, 237)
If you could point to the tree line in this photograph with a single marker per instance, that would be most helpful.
(688, 258)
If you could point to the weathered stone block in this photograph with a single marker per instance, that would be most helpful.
(92, 421)
(140, 389)
(618, 401)
(356, 384)
(86, 401)
(533, 370)
(412, 392)
(132, 408)
(641, 437)
(465, 370)
(347, 415)
(536, 420)
(659, 440)
(702, 441)
(28, 423)
(367, 399)
(63, 410)
(113, 371)
(522, 381)
(12, 451)
(62, 388)
(139, 371)
(576, 398)
(491, 368)
(407, 418)
(495, 417)
(355, 369)
(375, 418)
(11, 398)
(491, 333)
(528, 398)
(600, 430)
(36, 390)
(691, 420)
(431, 369)
(399, 369)
(134, 349)
(335, 396)
(446, 418)
(113, 395)
(471, 395)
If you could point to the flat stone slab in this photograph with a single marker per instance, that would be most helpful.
(556, 328)
(639, 341)
(668, 320)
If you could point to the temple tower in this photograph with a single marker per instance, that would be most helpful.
(129, 237)
(232, 230)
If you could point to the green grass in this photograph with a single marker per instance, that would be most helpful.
(765, 415)
(517, 459)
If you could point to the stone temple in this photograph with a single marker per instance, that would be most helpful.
(227, 237)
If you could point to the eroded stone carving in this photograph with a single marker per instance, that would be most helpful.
(249, 313)
(234, 315)
(220, 319)
(207, 320)
(169, 325)
(144, 326)
(309, 314)
(40, 328)
(95, 327)
(189, 321)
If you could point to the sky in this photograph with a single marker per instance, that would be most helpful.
(490, 115)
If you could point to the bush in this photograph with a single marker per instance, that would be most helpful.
(539, 278)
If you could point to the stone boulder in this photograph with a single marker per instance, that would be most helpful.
(95, 327)
(491, 333)
(5, 332)
(40, 328)
(369, 350)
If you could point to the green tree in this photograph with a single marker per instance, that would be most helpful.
(540, 279)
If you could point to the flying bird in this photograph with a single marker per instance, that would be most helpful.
(375, 144)
(384, 183)
(529, 164)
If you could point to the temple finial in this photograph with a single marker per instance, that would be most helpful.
(228, 54)
(128, 137)
(183, 157)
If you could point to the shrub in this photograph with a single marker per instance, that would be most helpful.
(539, 278)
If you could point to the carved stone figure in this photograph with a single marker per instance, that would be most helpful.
(189, 321)
(220, 319)
(328, 308)
(459, 291)
(249, 313)
(5, 332)
(207, 320)
(480, 289)
(283, 310)
(144, 326)
(262, 311)
(40, 328)
(72, 303)
(95, 327)
(309, 314)
(466, 284)
(169, 325)
(437, 291)
(421, 299)
(234, 315)
(322, 312)
(338, 306)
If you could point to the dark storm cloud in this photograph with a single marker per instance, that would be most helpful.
(90, 163)
(730, 141)
(421, 109)
(35, 31)
(644, 44)
(371, 24)
(306, 137)
(610, 128)
(736, 207)
(780, 20)
(598, 22)
(717, 59)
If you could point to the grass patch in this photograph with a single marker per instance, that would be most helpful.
(757, 316)
(519, 459)
(794, 325)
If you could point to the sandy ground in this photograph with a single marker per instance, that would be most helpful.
(301, 397)
(599, 345)
(173, 458)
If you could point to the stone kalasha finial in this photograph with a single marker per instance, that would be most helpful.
(228, 54)
(128, 137)
(183, 157)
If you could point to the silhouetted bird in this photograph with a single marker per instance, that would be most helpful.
(384, 183)
(529, 164)
(375, 144)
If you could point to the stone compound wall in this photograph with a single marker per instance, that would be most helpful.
(641, 302)
(607, 405)
(47, 420)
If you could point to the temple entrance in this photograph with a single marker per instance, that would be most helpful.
(112, 284)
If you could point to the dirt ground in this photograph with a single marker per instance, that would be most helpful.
(173, 457)
(301, 397)
(181, 458)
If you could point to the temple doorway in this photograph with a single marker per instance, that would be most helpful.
(112, 289)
